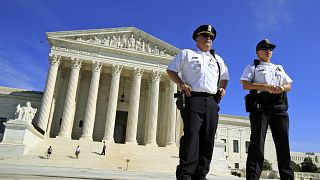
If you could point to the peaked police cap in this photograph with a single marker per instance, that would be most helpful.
(204, 29)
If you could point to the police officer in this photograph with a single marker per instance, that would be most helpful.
(268, 84)
(196, 72)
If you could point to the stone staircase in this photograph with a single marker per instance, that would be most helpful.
(141, 158)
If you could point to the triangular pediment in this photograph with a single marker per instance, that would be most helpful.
(129, 39)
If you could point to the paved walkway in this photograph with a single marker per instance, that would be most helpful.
(40, 172)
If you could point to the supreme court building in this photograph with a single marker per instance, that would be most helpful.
(109, 84)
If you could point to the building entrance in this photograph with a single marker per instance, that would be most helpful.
(120, 127)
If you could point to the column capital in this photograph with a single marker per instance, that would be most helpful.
(96, 66)
(156, 75)
(75, 63)
(137, 72)
(166, 85)
(54, 59)
(116, 69)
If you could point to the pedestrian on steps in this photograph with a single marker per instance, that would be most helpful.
(77, 151)
(104, 149)
(49, 152)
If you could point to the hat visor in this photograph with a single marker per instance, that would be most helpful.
(206, 32)
(272, 46)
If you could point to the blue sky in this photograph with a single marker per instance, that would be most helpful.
(293, 25)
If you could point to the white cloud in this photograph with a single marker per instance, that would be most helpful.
(272, 14)
(18, 72)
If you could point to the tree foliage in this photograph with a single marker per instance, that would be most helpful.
(308, 166)
(296, 167)
(266, 165)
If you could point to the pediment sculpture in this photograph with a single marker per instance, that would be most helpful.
(128, 41)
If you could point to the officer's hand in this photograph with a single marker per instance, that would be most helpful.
(276, 89)
(186, 88)
(223, 91)
(279, 89)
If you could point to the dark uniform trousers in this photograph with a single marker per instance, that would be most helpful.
(200, 118)
(279, 125)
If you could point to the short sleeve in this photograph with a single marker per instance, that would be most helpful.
(175, 64)
(247, 74)
(286, 78)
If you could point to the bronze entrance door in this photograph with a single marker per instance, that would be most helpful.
(120, 127)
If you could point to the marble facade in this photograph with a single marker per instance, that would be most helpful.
(109, 84)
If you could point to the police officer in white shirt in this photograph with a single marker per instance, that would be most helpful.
(267, 103)
(199, 75)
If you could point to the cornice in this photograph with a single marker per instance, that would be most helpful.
(108, 59)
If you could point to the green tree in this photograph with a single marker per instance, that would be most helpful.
(308, 166)
(266, 165)
(296, 167)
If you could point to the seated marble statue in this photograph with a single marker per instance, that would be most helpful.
(25, 113)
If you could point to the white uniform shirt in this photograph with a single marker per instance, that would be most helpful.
(266, 73)
(199, 70)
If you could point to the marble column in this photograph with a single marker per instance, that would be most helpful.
(48, 92)
(153, 109)
(70, 100)
(172, 116)
(92, 101)
(133, 111)
(112, 103)
(53, 105)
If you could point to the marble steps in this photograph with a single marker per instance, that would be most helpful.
(145, 158)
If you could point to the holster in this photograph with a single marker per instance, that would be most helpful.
(252, 102)
(217, 96)
(181, 100)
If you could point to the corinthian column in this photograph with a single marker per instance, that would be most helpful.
(48, 92)
(112, 103)
(70, 101)
(172, 115)
(153, 109)
(131, 135)
(92, 101)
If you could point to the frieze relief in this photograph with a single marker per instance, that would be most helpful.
(128, 41)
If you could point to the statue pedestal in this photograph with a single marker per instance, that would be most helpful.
(19, 137)
(219, 165)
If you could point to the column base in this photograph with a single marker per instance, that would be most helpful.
(131, 142)
(171, 144)
(63, 136)
(108, 140)
(86, 138)
(151, 145)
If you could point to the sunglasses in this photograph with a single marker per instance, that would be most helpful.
(207, 35)
(267, 48)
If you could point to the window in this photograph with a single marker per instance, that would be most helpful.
(247, 146)
(225, 144)
(81, 123)
(235, 146)
(2, 127)
(236, 165)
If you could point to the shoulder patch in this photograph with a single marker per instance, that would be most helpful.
(278, 69)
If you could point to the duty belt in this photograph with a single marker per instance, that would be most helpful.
(201, 94)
